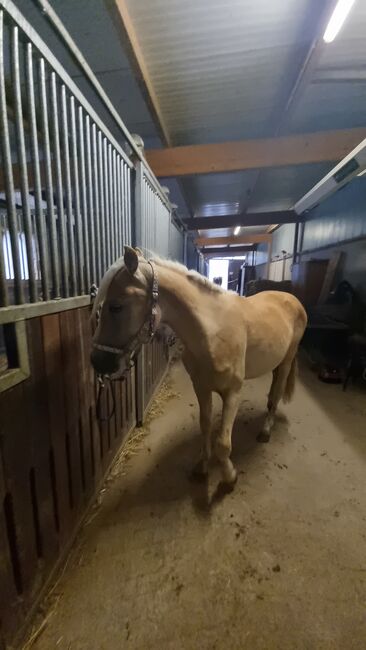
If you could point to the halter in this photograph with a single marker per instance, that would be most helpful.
(143, 335)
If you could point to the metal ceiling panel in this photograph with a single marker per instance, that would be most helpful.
(336, 97)
(219, 68)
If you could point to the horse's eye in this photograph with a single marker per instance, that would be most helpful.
(115, 309)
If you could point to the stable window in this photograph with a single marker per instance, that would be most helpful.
(14, 363)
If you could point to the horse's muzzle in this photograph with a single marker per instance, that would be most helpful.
(105, 363)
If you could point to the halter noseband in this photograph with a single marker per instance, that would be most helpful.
(147, 329)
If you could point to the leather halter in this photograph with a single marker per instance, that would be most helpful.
(147, 329)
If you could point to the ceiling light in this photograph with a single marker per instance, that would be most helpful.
(339, 15)
(237, 230)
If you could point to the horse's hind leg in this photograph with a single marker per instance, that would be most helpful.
(223, 441)
(205, 403)
(282, 382)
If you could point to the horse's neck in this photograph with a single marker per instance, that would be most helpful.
(184, 307)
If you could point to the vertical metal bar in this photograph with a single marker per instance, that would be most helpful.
(124, 204)
(22, 159)
(8, 174)
(59, 187)
(110, 192)
(107, 204)
(120, 205)
(3, 291)
(39, 214)
(84, 211)
(296, 243)
(49, 186)
(115, 204)
(97, 213)
(102, 220)
(68, 191)
(129, 211)
(90, 202)
(77, 215)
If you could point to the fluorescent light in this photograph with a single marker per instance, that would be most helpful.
(337, 19)
(237, 230)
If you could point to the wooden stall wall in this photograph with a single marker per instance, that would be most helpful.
(54, 454)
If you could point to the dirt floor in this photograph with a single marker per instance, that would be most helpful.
(278, 564)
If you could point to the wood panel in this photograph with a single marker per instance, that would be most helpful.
(254, 154)
(53, 455)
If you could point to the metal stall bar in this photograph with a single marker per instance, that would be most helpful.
(129, 210)
(102, 220)
(40, 222)
(22, 158)
(68, 191)
(119, 206)
(76, 188)
(84, 211)
(110, 193)
(8, 177)
(107, 203)
(90, 200)
(97, 215)
(59, 188)
(49, 184)
(125, 173)
(115, 204)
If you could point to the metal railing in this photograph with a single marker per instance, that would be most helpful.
(66, 180)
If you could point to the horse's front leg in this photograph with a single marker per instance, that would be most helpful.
(223, 440)
(205, 403)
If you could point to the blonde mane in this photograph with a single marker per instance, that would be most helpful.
(192, 276)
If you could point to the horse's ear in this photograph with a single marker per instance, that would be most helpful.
(139, 251)
(131, 259)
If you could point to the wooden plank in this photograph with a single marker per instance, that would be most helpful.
(57, 418)
(10, 605)
(322, 146)
(245, 219)
(36, 408)
(228, 250)
(16, 453)
(84, 388)
(253, 238)
(69, 344)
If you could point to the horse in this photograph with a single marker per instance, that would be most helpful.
(227, 338)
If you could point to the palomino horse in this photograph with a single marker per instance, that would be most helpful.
(227, 338)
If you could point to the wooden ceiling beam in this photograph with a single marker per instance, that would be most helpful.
(228, 250)
(254, 238)
(246, 219)
(136, 58)
(323, 146)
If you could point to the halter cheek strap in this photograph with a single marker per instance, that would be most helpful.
(147, 329)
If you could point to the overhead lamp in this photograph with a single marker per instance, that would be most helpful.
(237, 230)
(339, 15)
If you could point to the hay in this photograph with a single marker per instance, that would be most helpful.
(138, 435)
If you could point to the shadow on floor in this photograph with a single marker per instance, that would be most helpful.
(170, 479)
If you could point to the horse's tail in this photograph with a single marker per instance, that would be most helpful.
(291, 381)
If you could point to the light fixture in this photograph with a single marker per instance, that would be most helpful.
(237, 230)
(339, 15)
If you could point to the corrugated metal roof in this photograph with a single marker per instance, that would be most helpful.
(336, 96)
(218, 67)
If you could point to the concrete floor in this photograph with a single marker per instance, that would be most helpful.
(278, 564)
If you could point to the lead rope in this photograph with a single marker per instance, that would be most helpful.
(98, 406)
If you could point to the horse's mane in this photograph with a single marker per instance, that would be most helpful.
(193, 276)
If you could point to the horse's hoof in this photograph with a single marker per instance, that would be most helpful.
(263, 437)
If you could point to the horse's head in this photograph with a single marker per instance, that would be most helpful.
(125, 313)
